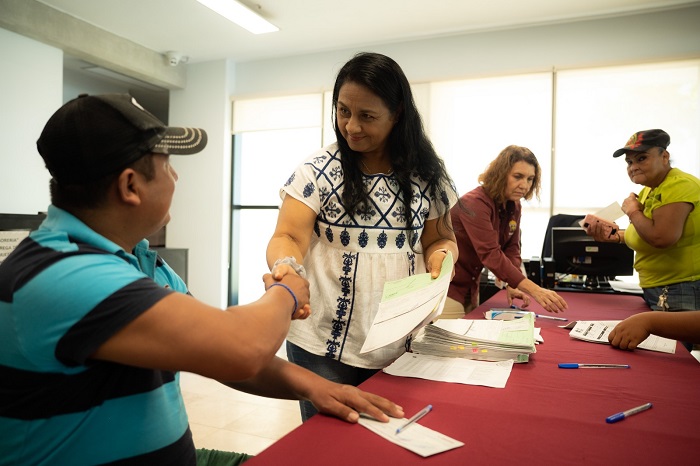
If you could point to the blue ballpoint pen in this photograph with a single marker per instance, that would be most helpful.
(575, 365)
(415, 418)
(625, 414)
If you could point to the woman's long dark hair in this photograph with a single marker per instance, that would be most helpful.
(409, 148)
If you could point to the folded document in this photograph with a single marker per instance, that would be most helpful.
(418, 439)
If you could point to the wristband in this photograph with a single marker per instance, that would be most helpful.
(296, 303)
(292, 262)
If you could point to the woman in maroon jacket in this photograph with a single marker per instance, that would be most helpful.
(487, 228)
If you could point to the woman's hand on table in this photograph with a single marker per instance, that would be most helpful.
(514, 293)
(630, 332)
(549, 300)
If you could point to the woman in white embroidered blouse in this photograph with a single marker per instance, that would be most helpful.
(372, 207)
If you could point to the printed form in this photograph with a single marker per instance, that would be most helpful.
(407, 305)
(598, 331)
(454, 370)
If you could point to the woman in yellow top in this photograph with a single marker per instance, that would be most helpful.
(664, 225)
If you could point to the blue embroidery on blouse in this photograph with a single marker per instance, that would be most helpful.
(332, 210)
(381, 240)
(400, 240)
(344, 301)
(399, 215)
(309, 189)
(415, 197)
(363, 239)
(291, 179)
(336, 173)
(383, 211)
(366, 212)
(382, 194)
(323, 193)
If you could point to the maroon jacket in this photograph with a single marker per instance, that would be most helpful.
(487, 236)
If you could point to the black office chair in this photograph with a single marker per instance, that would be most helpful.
(558, 220)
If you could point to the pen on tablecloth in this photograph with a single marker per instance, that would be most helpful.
(513, 306)
(415, 418)
(540, 316)
(625, 414)
(574, 365)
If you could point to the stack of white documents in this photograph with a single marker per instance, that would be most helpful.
(484, 340)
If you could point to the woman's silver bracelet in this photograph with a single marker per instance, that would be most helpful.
(292, 262)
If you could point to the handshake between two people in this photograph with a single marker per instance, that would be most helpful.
(284, 276)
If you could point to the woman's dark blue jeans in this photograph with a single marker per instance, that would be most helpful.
(327, 368)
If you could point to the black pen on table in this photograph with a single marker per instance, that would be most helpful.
(415, 418)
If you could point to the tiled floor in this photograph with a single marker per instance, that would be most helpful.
(225, 419)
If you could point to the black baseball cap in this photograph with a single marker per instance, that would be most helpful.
(641, 141)
(93, 136)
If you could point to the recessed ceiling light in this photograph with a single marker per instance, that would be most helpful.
(241, 15)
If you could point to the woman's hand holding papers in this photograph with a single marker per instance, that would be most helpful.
(679, 325)
(436, 261)
(630, 332)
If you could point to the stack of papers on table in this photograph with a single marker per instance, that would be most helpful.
(484, 340)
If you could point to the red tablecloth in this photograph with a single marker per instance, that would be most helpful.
(544, 415)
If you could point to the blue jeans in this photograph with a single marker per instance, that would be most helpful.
(684, 296)
(327, 368)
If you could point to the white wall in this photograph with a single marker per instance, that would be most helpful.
(202, 204)
(31, 89)
(75, 83)
(664, 35)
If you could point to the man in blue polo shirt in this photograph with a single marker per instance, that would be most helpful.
(94, 327)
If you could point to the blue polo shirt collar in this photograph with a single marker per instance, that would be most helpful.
(60, 220)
